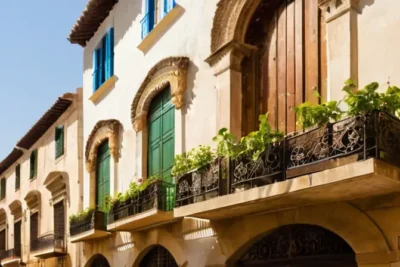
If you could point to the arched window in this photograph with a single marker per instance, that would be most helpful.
(98, 261)
(161, 121)
(288, 64)
(102, 174)
(158, 256)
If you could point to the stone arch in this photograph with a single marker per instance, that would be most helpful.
(96, 257)
(3, 218)
(103, 130)
(169, 71)
(346, 221)
(160, 238)
(33, 201)
(16, 209)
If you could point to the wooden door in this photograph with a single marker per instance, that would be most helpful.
(103, 175)
(17, 238)
(3, 240)
(289, 65)
(34, 227)
(59, 219)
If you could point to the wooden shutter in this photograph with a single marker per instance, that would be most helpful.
(109, 54)
(168, 6)
(151, 6)
(3, 188)
(161, 136)
(103, 174)
(3, 240)
(17, 177)
(17, 238)
(59, 140)
(34, 230)
(33, 164)
(59, 219)
(96, 62)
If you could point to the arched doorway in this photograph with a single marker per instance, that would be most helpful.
(287, 65)
(99, 261)
(158, 256)
(299, 245)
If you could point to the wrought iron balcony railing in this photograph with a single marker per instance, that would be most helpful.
(47, 242)
(199, 185)
(94, 220)
(160, 195)
(356, 138)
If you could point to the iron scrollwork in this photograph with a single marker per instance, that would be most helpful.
(296, 241)
(249, 173)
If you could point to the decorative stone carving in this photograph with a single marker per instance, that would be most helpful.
(230, 22)
(33, 201)
(333, 9)
(172, 71)
(105, 129)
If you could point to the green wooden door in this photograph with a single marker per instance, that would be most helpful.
(103, 175)
(162, 141)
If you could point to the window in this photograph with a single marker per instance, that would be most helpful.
(33, 164)
(59, 140)
(103, 60)
(161, 136)
(3, 189)
(17, 176)
(155, 11)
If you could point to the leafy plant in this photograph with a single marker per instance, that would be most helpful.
(133, 191)
(80, 215)
(309, 115)
(196, 158)
(256, 142)
(368, 99)
(362, 101)
(227, 145)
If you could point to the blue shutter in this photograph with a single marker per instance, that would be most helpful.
(168, 6)
(101, 72)
(150, 14)
(95, 69)
(109, 51)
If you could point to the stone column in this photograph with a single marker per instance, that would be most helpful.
(342, 36)
(226, 63)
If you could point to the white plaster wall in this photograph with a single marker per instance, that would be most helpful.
(378, 42)
(189, 36)
(47, 163)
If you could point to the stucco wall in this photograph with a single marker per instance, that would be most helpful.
(189, 36)
(378, 41)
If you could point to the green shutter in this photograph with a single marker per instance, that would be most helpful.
(33, 164)
(103, 175)
(161, 145)
(17, 176)
(3, 189)
(59, 140)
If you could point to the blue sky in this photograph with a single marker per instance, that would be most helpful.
(38, 63)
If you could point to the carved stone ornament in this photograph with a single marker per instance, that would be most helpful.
(332, 9)
(170, 71)
(103, 130)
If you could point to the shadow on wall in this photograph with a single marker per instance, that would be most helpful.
(128, 13)
(364, 3)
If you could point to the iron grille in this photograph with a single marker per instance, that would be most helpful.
(158, 257)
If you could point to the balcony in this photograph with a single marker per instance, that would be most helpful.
(48, 246)
(152, 206)
(349, 159)
(90, 228)
(11, 257)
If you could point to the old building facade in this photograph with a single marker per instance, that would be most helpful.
(39, 189)
(162, 77)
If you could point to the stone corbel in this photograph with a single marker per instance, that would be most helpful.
(140, 121)
(333, 9)
(230, 56)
